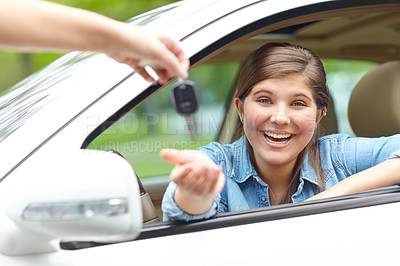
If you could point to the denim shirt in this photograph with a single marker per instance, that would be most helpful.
(341, 156)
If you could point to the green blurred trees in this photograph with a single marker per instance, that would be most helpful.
(16, 66)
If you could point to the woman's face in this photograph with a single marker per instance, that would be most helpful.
(279, 119)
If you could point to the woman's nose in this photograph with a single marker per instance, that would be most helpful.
(281, 117)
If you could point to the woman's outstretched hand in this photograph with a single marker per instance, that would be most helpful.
(199, 180)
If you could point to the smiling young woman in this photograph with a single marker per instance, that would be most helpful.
(293, 82)
(279, 117)
(281, 96)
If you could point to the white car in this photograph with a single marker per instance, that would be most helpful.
(67, 197)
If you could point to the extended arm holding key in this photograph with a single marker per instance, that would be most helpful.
(40, 25)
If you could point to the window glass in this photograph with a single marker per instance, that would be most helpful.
(25, 99)
(155, 125)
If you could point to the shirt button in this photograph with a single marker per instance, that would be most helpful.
(263, 198)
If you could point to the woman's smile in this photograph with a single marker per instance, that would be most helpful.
(277, 138)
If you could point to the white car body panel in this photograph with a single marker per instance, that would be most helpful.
(312, 241)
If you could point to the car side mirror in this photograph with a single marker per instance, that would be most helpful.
(86, 195)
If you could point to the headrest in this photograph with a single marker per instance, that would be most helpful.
(374, 107)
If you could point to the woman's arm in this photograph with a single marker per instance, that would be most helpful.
(199, 180)
(40, 25)
(384, 174)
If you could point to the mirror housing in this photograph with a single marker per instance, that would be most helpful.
(86, 195)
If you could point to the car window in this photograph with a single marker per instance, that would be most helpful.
(155, 125)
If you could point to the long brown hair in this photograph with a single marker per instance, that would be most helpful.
(276, 60)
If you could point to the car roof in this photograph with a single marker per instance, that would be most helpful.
(347, 37)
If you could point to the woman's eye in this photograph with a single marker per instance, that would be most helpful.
(264, 100)
(299, 104)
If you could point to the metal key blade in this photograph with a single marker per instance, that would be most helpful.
(191, 124)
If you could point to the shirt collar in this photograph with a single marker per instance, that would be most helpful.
(307, 172)
(242, 168)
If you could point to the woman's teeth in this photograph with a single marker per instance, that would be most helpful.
(277, 138)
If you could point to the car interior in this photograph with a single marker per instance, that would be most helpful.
(363, 35)
(374, 103)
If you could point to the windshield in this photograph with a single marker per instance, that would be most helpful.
(26, 98)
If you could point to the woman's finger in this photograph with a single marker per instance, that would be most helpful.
(213, 181)
(179, 156)
(173, 57)
(191, 180)
(179, 173)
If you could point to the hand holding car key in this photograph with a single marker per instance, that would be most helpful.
(184, 97)
(186, 103)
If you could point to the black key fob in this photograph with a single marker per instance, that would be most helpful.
(184, 97)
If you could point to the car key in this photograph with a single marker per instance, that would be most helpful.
(186, 103)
